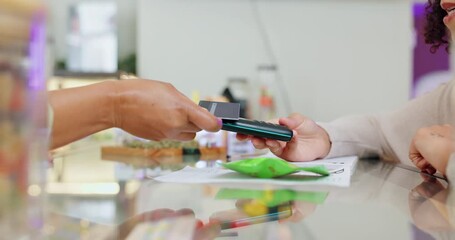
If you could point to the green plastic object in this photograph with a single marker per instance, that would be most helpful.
(271, 167)
(272, 197)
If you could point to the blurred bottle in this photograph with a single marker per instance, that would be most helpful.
(23, 119)
(270, 95)
(238, 91)
(236, 147)
(267, 109)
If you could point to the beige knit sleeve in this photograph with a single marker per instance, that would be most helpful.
(388, 135)
(450, 172)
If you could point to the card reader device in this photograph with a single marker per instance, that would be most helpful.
(229, 113)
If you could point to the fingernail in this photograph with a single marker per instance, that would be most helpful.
(220, 122)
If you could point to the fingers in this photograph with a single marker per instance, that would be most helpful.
(414, 154)
(296, 217)
(183, 133)
(431, 147)
(430, 170)
(203, 119)
(293, 121)
(156, 214)
(418, 160)
(185, 136)
(274, 146)
(184, 212)
(426, 167)
(242, 137)
(190, 127)
(164, 213)
(415, 157)
(258, 143)
(422, 164)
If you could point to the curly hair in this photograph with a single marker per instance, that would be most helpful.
(435, 30)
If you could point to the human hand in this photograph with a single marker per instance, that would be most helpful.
(156, 110)
(310, 141)
(431, 148)
(159, 216)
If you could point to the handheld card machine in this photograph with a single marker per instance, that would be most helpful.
(229, 113)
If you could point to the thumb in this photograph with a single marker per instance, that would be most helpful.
(292, 122)
(202, 118)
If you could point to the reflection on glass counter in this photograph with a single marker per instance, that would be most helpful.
(384, 201)
(162, 155)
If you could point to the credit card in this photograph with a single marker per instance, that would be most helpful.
(223, 110)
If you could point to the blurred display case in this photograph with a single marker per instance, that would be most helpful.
(62, 79)
(23, 119)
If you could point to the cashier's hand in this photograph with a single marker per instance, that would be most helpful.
(156, 110)
(310, 141)
(431, 148)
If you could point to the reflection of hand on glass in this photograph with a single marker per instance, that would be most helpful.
(148, 109)
(251, 211)
(429, 206)
(167, 219)
(300, 211)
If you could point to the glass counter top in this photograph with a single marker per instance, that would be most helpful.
(383, 201)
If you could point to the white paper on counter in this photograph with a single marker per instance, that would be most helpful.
(340, 176)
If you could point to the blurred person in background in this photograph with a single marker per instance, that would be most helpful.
(387, 135)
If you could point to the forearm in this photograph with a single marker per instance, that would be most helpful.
(79, 112)
(354, 135)
(389, 134)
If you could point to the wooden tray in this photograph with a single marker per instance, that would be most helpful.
(140, 156)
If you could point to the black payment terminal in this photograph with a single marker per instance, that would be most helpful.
(229, 113)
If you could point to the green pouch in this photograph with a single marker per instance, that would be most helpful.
(271, 167)
(272, 197)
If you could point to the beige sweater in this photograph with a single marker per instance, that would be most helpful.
(451, 174)
(389, 135)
